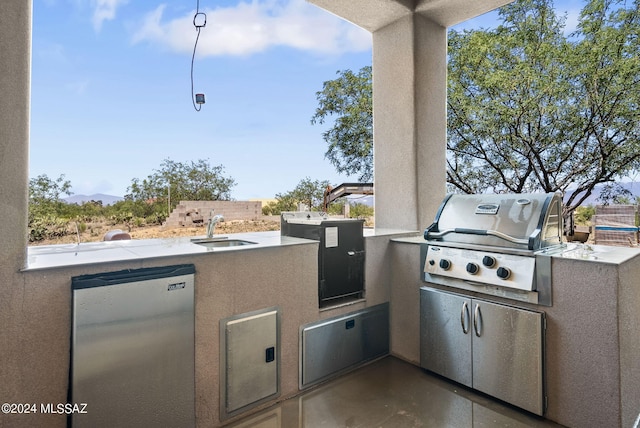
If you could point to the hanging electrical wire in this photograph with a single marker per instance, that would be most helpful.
(197, 99)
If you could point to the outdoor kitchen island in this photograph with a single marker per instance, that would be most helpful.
(275, 272)
(592, 369)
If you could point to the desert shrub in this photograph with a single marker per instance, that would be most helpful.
(582, 215)
(361, 211)
(121, 217)
(284, 203)
(156, 218)
(47, 227)
(336, 208)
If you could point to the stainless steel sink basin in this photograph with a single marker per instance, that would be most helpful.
(221, 242)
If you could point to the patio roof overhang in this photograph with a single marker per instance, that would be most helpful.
(373, 15)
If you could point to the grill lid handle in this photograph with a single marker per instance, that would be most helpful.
(437, 235)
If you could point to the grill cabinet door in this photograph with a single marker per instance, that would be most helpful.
(507, 354)
(445, 335)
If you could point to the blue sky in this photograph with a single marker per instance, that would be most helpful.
(111, 89)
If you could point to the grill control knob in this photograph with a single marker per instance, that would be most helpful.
(503, 273)
(489, 261)
(445, 264)
(472, 268)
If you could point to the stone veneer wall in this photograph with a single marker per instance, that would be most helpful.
(197, 213)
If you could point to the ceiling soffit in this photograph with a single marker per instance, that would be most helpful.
(375, 14)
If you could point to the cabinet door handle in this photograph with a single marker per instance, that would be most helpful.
(477, 320)
(465, 318)
(269, 354)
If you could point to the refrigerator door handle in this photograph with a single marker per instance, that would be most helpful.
(477, 320)
(465, 318)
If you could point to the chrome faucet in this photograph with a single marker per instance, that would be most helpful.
(213, 220)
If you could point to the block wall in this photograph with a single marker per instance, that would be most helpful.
(197, 213)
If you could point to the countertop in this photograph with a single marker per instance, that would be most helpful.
(584, 252)
(54, 256)
(51, 256)
(598, 253)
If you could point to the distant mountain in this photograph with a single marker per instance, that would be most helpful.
(361, 199)
(631, 186)
(106, 199)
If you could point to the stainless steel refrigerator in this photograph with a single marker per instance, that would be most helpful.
(132, 348)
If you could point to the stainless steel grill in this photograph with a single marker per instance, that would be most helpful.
(495, 244)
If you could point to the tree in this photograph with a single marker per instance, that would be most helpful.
(43, 190)
(350, 139)
(307, 192)
(189, 181)
(530, 109)
(46, 207)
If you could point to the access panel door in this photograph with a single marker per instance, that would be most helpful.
(508, 354)
(250, 346)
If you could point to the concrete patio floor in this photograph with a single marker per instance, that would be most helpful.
(391, 393)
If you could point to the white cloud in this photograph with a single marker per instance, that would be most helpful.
(249, 28)
(104, 10)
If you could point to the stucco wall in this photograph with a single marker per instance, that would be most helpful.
(404, 260)
(37, 333)
(409, 104)
(592, 336)
(629, 333)
(23, 309)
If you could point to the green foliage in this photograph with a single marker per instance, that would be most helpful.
(188, 181)
(350, 139)
(360, 211)
(583, 215)
(356, 210)
(284, 203)
(46, 206)
(307, 192)
(50, 217)
(614, 193)
(43, 190)
(156, 218)
(530, 109)
(47, 226)
(336, 207)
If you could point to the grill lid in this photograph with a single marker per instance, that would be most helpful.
(530, 221)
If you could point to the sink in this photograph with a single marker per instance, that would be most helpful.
(221, 242)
